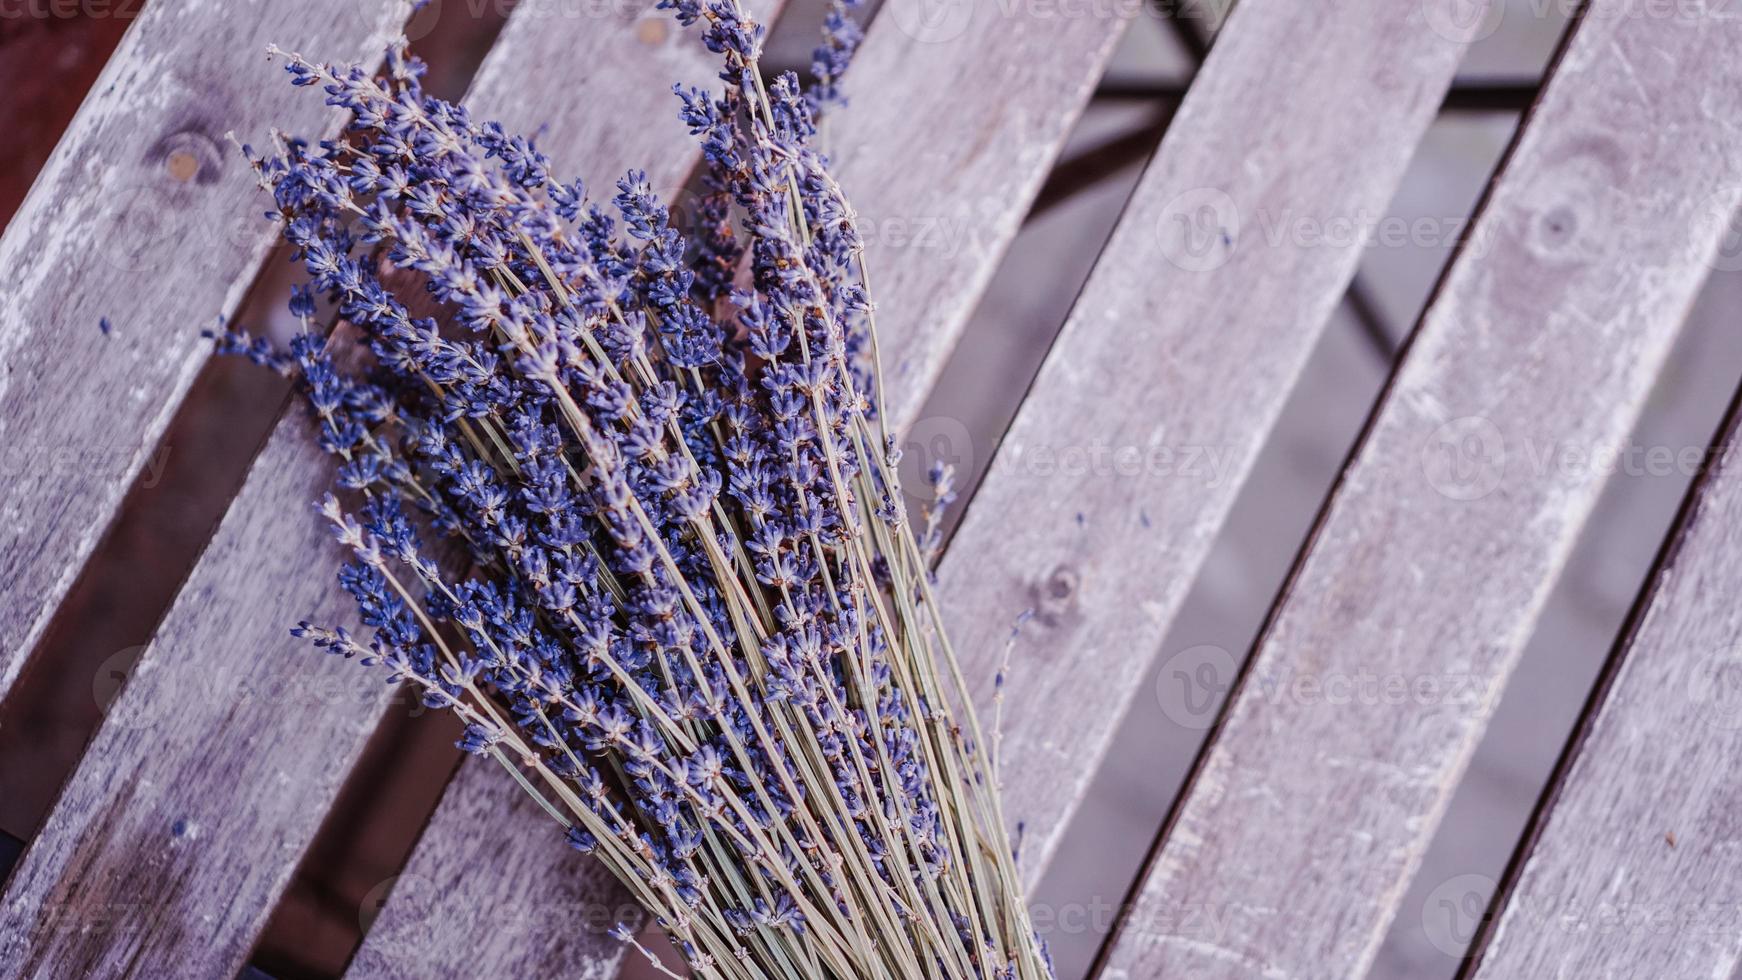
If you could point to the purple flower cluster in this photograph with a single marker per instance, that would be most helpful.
(622, 501)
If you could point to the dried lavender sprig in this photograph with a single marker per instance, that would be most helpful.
(574, 338)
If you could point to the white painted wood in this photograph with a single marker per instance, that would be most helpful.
(1634, 868)
(1309, 811)
(144, 217)
(1119, 470)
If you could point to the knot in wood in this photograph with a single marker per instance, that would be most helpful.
(1558, 227)
(188, 156)
(1056, 595)
(652, 31)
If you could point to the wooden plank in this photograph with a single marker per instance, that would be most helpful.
(493, 869)
(184, 821)
(142, 216)
(938, 226)
(1126, 457)
(958, 112)
(1633, 864)
(109, 885)
(1310, 808)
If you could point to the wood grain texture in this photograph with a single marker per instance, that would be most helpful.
(145, 217)
(1634, 866)
(1311, 806)
(958, 111)
(1122, 464)
(184, 821)
(471, 878)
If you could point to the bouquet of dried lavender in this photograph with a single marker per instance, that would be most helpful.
(693, 620)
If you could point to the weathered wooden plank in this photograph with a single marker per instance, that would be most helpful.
(184, 821)
(937, 227)
(1310, 808)
(1633, 865)
(250, 776)
(958, 112)
(144, 218)
(493, 870)
(1126, 457)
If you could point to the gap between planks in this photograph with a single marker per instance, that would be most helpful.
(1632, 862)
(1186, 340)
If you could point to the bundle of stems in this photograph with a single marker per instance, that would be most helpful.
(625, 504)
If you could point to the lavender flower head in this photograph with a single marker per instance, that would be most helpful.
(637, 525)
